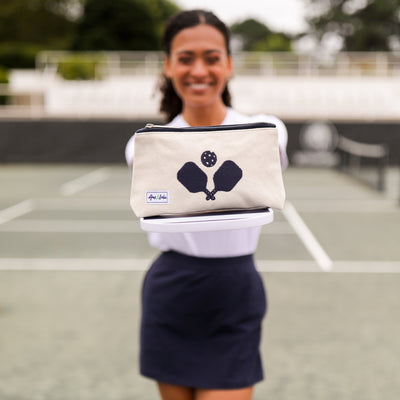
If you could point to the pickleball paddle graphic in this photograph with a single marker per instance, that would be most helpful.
(226, 178)
(193, 178)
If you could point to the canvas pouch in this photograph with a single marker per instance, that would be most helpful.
(180, 171)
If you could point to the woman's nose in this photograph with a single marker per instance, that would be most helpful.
(199, 68)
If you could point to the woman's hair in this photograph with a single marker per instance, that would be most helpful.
(171, 103)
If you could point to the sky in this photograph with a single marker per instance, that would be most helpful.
(279, 15)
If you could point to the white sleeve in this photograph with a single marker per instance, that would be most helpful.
(282, 139)
(129, 150)
(282, 136)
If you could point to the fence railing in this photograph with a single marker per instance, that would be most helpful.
(343, 86)
(246, 63)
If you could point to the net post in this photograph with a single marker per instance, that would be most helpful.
(383, 163)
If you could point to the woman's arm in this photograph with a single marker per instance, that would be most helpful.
(129, 151)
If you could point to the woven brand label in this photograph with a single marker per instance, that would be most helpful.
(161, 197)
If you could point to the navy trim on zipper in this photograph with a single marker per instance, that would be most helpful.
(160, 128)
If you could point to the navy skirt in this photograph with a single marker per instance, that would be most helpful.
(201, 321)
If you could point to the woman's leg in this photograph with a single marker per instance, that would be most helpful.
(234, 394)
(174, 392)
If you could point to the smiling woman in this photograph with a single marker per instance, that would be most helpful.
(203, 300)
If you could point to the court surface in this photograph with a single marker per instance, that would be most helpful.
(72, 260)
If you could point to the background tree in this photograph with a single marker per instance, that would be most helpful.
(161, 11)
(41, 22)
(122, 24)
(255, 36)
(274, 42)
(362, 25)
(28, 26)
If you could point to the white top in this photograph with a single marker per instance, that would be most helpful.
(229, 243)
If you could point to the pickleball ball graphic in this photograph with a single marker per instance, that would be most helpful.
(208, 158)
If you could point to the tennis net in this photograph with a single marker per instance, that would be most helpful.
(364, 161)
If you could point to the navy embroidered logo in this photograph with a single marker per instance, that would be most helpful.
(195, 179)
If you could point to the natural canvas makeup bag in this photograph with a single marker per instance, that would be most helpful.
(178, 171)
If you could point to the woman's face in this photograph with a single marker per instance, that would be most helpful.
(199, 65)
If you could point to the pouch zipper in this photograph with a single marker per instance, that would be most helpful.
(163, 128)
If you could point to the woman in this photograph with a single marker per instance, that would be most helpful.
(203, 300)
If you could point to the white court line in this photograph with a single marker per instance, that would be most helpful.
(307, 237)
(84, 204)
(72, 226)
(142, 264)
(103, 226)
(84, 181)
(16, 211)
(346, 206)
(74, 264)
(367, 266)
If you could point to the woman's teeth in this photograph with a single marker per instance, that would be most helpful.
(198, 86)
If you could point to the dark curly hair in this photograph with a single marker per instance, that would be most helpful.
(171, 103)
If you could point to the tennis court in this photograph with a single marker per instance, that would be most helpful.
(72, 259)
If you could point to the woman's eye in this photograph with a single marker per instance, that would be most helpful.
(185, 60)
(212, 60)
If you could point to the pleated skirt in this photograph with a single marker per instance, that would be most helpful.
(201, 321)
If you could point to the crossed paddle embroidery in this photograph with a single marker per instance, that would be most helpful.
(195, 179)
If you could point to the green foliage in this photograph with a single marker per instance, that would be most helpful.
(250, 31)
(364, 26)
(273, 42)
(161, 10)
(35, 22)
(78, 67)
(122, 24)
(18, 55)
(30, 26)
(3, 80)
(3, 75)
(255, 36)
